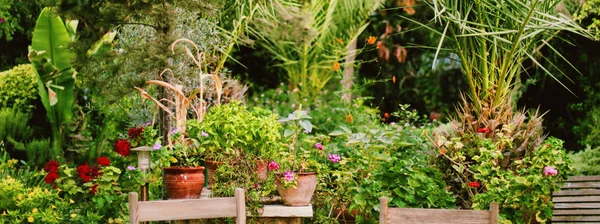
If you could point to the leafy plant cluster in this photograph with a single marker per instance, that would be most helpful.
(585, 162)
(18, 88)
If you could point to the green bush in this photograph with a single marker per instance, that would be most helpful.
(18, 88)
(586, 162)
(13, 124)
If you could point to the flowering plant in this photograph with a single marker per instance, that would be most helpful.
(144, 135)
(304, 153)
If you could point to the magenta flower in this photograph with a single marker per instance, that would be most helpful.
(273, 166)
(289, 176)
(334, 158)
(318, 146)
(130, 167)
(1, 20)
(550, 171)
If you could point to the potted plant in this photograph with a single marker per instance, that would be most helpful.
(300, 161)
(231, 133)
(184, 178)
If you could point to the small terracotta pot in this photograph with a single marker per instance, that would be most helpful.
(183, 182)
(211, 166)
(261, 169)
(302, 194)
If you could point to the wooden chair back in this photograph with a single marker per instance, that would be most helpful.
(432, 216)
(578, 200)
(183, 209)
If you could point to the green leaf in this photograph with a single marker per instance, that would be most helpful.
(306, 125)
(337, 133)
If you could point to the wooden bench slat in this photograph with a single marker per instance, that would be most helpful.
(438, 216)
(577, 199)
(587, 192)
(576, 185)
(576, 218)
(583, 178)
(577, 212)
(576, 205)
(186, 209)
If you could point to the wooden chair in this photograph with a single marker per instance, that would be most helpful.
(578, 200)
(446, 216)
(182, 209)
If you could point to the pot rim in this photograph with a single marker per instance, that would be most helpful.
(184, 168)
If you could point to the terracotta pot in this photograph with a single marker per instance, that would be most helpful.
(211, 166)
(183, 182)
(261, 169)
(302, 194)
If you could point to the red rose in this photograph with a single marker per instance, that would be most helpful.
(52, 166)
(51, 177)
(103, 161)
(93, 189)
(135, 132)
(483, 130)
(84, 172)
(122, 147)
(474, 184)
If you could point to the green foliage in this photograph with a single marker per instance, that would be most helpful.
(56, 78)
(13, 124)
(482, 171)
(524, 192)
(18, 88)
(585, 162)
(36, 150)
(590, 15)
(232, 130)
(21, 204)
(381, 160)
(310, 38)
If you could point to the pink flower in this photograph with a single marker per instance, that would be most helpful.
(334, 158)
(204, 134)
(550, 171)
(288, 176)
(273, 166)
(318, 146)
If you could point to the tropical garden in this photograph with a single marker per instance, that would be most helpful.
(431, 103)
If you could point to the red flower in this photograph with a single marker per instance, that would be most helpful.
(84, 172)
(52, 166)
(135, 132)
(93, 190)
(95, 172)
(103, 161)
(483, 130)
(474, 184)
(122, 147)
(51, 177)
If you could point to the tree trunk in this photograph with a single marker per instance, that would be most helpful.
(348, 79)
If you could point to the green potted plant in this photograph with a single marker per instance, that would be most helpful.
(232, 132)
(301, 161)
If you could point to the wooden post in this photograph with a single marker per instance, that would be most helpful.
(348, 78)
(383, 210)
(133, 208)
(494, 211)
(240, 199)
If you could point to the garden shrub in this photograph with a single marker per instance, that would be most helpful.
(18, 88)
(13, 124)
(36, 150)
(585, 162)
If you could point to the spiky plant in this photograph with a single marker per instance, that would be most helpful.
(493, 39)
(309, 38)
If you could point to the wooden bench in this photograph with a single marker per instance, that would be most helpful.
(432, 216)
(184, 209)
(578, 201)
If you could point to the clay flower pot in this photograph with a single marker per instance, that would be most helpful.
(302, 194)
(211, 166)
(183, 182)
